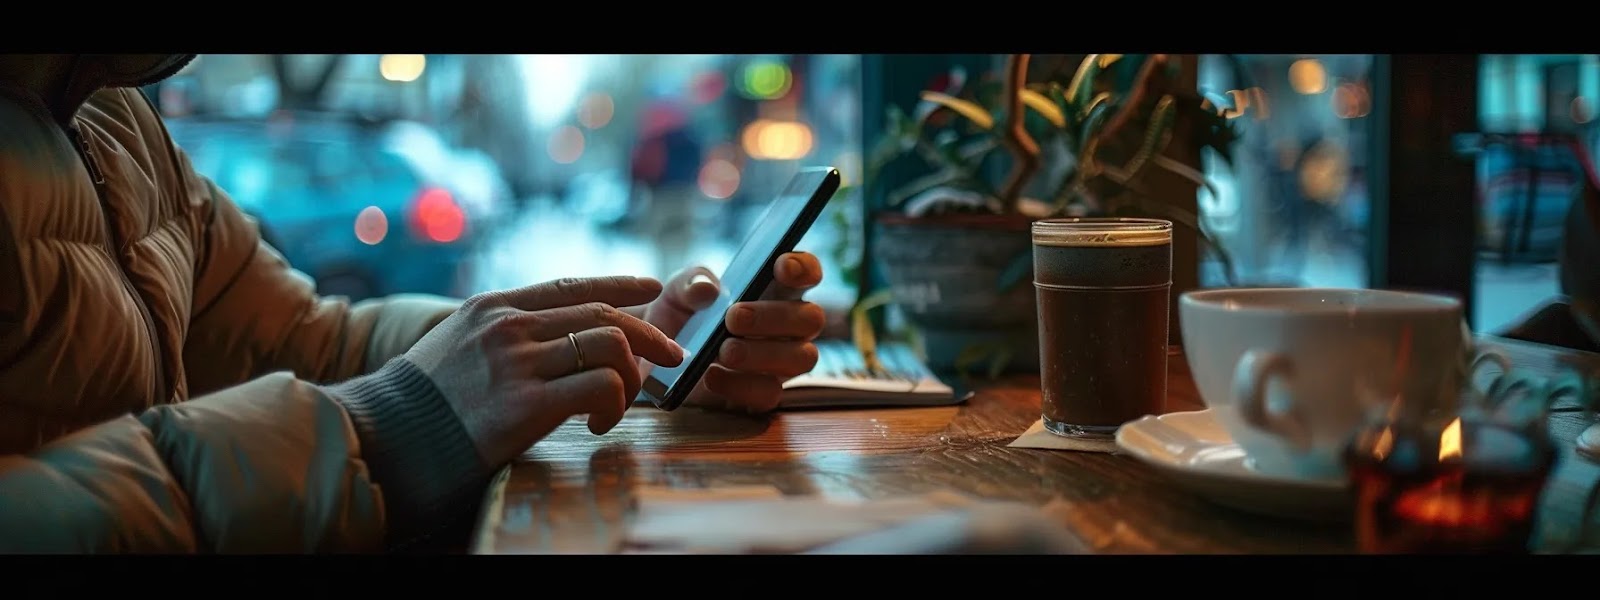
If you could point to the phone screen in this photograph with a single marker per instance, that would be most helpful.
(785, 221)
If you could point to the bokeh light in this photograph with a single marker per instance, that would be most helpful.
(1351, 101)
(719, 179)
(1324, 173)
(372, 225)
(1308, 77)
(776, 140)
(596, 110)
(766, 80)
(437, 216)
(402, 67)
(1581, 111)
(566, 144)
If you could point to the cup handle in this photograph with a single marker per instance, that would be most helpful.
(1498, 388)
(1250, 377)
(1490, 355)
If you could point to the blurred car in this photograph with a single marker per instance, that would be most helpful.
(356, 216)
(471, 175)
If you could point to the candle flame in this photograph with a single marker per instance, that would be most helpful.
(1450, 440)
(1384, 445)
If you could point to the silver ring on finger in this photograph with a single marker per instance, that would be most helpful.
(576, 349)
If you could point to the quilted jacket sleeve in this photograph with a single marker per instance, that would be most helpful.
(276, 465)
(255, 314)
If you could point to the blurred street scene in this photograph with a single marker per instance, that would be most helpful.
(453, 174)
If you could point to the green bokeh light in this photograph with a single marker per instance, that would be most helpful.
(766, 80)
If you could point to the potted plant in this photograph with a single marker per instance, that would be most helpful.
(954, 245)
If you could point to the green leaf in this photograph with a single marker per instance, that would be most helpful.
(989, 92)
(965, 108)
(1081, 89)
(948, 176)
(886, 149)
(861, 331)
(1058, 94)
(1016, 272)
(948, 146)
(1099, 111)
(1155, 137)
(1045, 107)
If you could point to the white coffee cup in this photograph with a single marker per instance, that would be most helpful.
(1291, 373)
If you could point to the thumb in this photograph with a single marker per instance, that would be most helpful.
(687, 293)
(694, 289)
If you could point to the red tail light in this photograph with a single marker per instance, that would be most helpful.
(436, 217)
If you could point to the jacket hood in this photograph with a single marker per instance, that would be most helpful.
(135, 70)
(85, 74)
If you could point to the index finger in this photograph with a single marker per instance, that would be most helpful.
(616, 291)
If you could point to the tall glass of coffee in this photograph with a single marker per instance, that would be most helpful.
(1104, 287)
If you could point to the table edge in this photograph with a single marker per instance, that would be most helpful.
(490, 513)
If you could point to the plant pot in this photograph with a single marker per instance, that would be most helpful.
(946, 274)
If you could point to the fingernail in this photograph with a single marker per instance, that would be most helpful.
(733, 353)
(793, 265)
(682, 351)
(699, 279)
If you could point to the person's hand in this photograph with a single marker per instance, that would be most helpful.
(770, 339)
(506, 365)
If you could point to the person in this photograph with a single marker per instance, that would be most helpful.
(1572, 318)
(168, 384)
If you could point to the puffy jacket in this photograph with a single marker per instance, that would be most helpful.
(130, 284)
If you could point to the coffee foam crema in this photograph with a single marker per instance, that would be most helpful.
(1102, 232)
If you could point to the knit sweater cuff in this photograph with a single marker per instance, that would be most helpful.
(416, 447)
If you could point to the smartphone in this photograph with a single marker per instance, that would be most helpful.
(778, 230)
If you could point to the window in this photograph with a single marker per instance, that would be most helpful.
(1292, 209)
(567, 164)
(1528, 176)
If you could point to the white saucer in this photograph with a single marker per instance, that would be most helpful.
(1196, 452)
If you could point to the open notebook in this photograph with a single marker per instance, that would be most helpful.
(841, 379)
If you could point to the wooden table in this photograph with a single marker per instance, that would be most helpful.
(571, 492)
